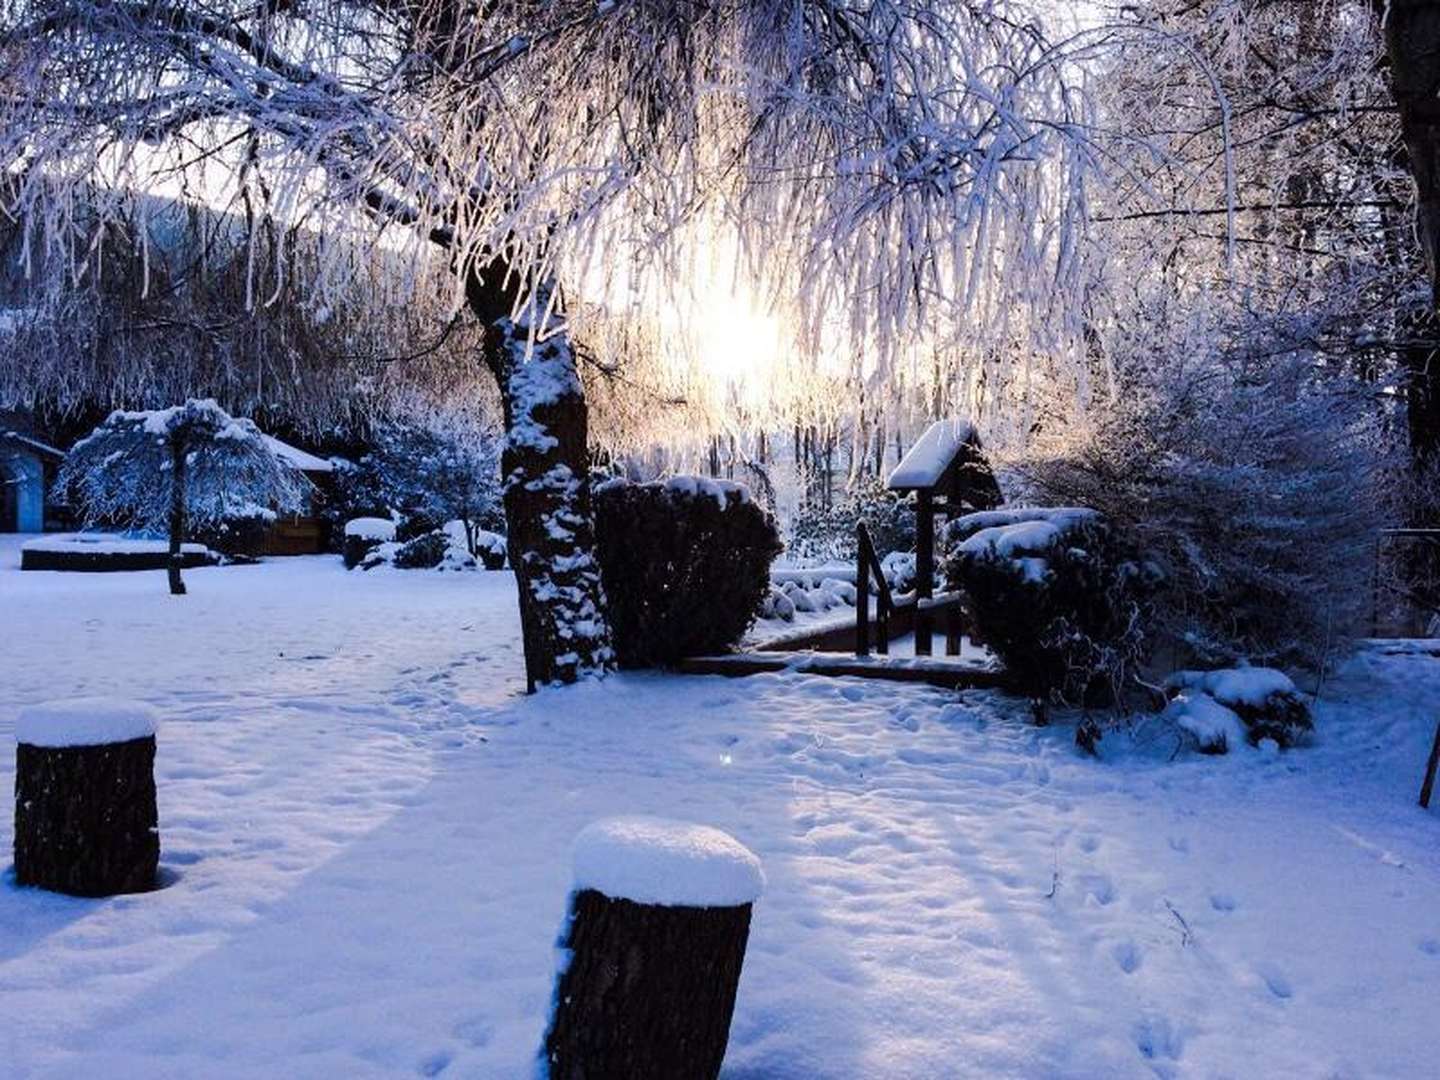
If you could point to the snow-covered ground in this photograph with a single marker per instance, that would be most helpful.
(366, 830)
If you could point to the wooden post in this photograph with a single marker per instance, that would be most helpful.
(85, 812)
(1429, 784)
(952, 629)
(656, 936)
(924, 568)
(862, 595)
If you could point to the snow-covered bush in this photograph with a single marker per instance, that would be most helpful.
(685, 564)
(423, 552)
(175, 470)
(1263, 703)
(489, 548)
(363, 535)
(1059, 596)
(777, 605)
(825, 532)
(428, 476)
(1255, 489)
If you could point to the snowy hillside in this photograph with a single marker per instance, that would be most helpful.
(366, 833)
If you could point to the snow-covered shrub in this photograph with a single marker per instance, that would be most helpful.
(1059, 596)
(1263, 701)
(489, 547)
(423, 552)
(777, 605)
(363, 535)
(430, 475)
(899, 570)
(685, 564)
(1254, 487)
(828, 532)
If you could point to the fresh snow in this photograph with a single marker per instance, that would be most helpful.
(367, 834)
(1251, 686)
(925, 462)
(1215, 727)
(300, 459)
(653, 860)
(106, 544)
(87, 721)
(371, 528)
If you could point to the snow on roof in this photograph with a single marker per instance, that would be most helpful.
(927, 460)
(671, 863)
(92, 721)
(302, 460)
(34, 444)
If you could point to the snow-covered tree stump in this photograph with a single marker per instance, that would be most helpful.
(654, 943)
(85, 816)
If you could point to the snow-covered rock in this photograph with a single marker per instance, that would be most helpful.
(671, 863)
(89, 721)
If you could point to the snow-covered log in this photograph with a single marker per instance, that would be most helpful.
(86, 821)
(655, 940)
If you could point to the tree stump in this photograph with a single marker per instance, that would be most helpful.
(655, 937)
(86, 821)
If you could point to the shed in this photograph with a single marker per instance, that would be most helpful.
(307, 533)
(26, 467)
(948, 472)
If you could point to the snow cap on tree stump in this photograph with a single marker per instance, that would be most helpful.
(651, 860)
(84, 722)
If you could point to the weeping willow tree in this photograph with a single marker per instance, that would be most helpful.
(886, 170)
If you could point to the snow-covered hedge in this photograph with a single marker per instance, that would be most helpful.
(1218, 708)
(685, 563)
(1058, 596)
(363, 535)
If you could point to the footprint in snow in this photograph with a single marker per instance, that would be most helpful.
(1089, 844)
(1430, 946)
(1127, 956)
(1180, 845)
(1157, 1038)
(852, 693)
(1276, 982)
(435, 1064)
(1222, 902)
(1099, 888)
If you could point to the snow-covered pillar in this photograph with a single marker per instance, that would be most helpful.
(652, 950)
(86, 821)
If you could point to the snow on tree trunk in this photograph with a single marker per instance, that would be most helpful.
(545, 469)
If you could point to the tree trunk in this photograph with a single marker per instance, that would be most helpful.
(1412, 38)
(546, 483)
(177, 513)
(649, 992)
(85, 817)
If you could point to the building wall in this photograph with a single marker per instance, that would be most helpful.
(22, 491)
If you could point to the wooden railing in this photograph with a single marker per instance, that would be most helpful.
(868, 564)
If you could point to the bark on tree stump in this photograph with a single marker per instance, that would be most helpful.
(656, 938)
(86, 821)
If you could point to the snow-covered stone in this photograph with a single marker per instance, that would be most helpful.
(1252, 686)
(90, 721)
(671, 863)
